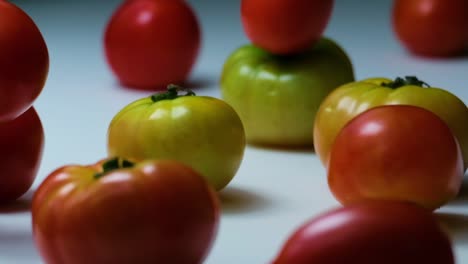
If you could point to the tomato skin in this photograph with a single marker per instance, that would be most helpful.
(397, 152)
(152, 43)
(201, 131)
(284, 26)
(24, 61)
(432, 27)
(22, 141)
(277, 97)
(155, 212)
(349, 100)
(384, 232)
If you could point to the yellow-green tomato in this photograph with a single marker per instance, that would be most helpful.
(200, 131)
(352, 99)
(277, 96)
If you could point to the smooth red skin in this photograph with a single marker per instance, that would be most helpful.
(285, 26)
(434, 28)
(152, 43)
(396, 152)
(384, 232)
(158, 212)
(24, 61)
(22, 142)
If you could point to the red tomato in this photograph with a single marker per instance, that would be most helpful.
(432, 27)
(22, 141)
(396, 152)
(152, 43)
(383, 232)
(24, 61)
(116, 211)
(285, 26)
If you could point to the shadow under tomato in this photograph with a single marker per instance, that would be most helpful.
(236, 200)
(22, 204)
(457, 225)
(295, 149)
(461, 56)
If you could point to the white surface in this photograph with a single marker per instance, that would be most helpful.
(275, 190)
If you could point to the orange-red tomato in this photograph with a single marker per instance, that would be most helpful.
(397, 152)
(383, 232)
(118, 212)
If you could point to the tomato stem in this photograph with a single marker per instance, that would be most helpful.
(113, 164)
(172, 93)
(408, 80)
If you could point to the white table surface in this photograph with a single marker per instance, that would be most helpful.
(274, 190)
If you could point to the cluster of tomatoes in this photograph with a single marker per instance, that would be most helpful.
(392, 150)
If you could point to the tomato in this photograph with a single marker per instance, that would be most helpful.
(151, 43)
(201, 131)
(22, 141)
(121, 211)
(284, 26)
(277, 97)
(24, 61)
(384, 232)
(432, 27)
(396, 152)
(351, 99)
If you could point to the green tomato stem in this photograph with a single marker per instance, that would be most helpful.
(408, 80)
(172, 93)
(113, 164)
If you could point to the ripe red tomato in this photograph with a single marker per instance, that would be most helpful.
(24, 61)
(285, 26)
(152, 43)
(398, 152)
(22, 141)
(384, 232)
(117, 211)
(432, 27)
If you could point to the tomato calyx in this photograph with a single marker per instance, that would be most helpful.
(408, 80)
(172, 93)
(113, 164)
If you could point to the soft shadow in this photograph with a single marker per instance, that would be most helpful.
(237, 200)
(455, 57)
(282, 148)
(199, 82)
(22, 204)
(456, 224)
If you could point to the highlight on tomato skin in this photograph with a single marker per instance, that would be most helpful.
(374, 231)
(396, 152)
(123, 211)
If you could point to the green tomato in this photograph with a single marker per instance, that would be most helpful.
(200, 131)
(277, 97)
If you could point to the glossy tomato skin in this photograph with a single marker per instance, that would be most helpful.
(284, 26)
(22, 141)
(201, 131)
(155, 212)
(384, 232)
(396, 152)
(349, 100)
(152, 43)
(434, 28)
(24, 61)
(277, 97)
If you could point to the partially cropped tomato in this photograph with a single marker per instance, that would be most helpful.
(383, 232)
(119, 211)
(22, 142)
(396, 152)
(351, 99)
(285, 26)
(277, 97)
(201, 131)
(24, 61)
(432, 27)
(152, 43)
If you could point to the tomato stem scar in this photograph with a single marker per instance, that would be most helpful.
(172, 93)
(408, 80)
(113, 164)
